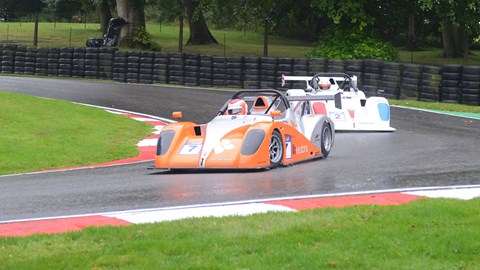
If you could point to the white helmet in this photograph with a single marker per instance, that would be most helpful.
(324, 84)
(237, 106)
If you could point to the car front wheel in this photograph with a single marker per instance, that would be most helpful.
(326, 139)
(276, 149)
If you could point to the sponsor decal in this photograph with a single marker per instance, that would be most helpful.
(301, 149)
(225, 144)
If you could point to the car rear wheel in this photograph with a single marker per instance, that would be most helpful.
(326, 139)
(276, 149)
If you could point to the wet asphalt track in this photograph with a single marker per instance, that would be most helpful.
(426, 150)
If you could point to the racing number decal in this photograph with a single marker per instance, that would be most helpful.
(337, 116)
(191, 148)
(288, 148)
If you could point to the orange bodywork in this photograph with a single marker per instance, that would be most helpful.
(190, 147)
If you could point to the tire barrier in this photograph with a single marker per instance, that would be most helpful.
(8, 58)
(447, 83)
(133, 65)
(176, 64)
(219, 71)
(41, 64)
(205, 71)
(268, 72)
(252, 72)
(316, 65)
(30, 61)
(430, 83)
(410, 79)
(337, 66)
(355, 67)
(284, 67)
(234, 72)
(65, 62)
(52, 61)
(390, 80)
(160, 67)
(105, 63)
(371, 77)
(192, 69)
(91, 62)
(299, 68)
(145, 67)
(78, 62)
(119, 66)
(19, 62)
(470, 90)
(451, 83)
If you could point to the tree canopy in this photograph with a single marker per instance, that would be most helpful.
(411, 24)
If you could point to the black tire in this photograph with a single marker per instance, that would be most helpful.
(276, 149)
(326, 139)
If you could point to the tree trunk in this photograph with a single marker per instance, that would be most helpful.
(199, 32)
(180, 35)
(104, 14)
(133, 11)
(265, 39)
(453, 39)
(412, 40)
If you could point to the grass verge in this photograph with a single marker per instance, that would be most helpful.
(425, 234)
(40, 134)
(437, 106)
(231, 43)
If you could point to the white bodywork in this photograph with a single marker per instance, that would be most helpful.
(357, 112)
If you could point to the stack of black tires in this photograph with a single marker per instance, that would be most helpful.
(451, 83)
(470, 90)
(430, 83)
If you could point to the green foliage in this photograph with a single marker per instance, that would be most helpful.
(143, 38)
(342, 44)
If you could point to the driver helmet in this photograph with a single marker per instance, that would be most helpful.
(324, 84)
(237, 106)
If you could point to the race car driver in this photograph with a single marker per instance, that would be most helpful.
(237, 107)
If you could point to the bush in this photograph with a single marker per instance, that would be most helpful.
(144, 40)
(349, 45)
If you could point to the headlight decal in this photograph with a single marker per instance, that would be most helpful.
(252, 142)
(164, 141)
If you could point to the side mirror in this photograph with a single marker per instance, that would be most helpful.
(275, 113)
(177, 115)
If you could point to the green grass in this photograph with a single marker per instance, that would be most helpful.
(434, 56)
(231, 43)
(425, 234)
(39, 134)
(49, 34)
(438, 106)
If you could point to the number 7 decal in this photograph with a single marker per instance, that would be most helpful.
(191, 148)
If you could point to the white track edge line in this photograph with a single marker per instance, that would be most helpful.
(401, 190)
(437, 112)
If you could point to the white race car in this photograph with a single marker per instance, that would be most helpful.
(356, 113)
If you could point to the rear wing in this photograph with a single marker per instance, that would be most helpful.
(337, 77)
(337, 97)
(307, 79)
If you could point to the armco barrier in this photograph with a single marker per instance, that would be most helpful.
(448, 83)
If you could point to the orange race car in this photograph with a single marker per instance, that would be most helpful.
(254, 129)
